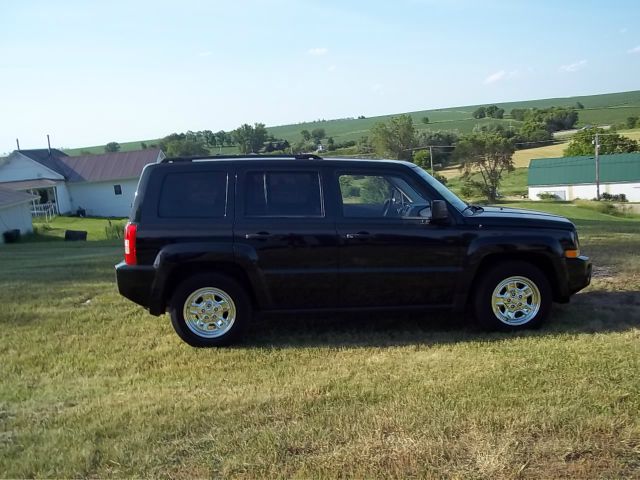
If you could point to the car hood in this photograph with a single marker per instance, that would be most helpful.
(505, 216)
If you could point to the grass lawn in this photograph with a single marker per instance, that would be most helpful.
(54, 229)
(93, 386)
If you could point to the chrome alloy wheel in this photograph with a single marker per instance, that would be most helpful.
(516, 301)
(209, 312)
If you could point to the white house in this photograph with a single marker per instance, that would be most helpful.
(101, 185)
(15, 212)
(569, 178)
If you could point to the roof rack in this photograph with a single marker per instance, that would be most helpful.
(298, 156)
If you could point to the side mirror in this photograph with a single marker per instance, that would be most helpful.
(439, 211)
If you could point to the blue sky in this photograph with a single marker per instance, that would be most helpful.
(88, 72)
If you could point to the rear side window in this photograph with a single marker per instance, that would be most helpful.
(193, 195)
(283, 194)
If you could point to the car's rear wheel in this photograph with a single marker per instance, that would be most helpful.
(209, 310)
(513, 296)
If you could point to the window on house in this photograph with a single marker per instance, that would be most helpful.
(117, 189)
(283, 194)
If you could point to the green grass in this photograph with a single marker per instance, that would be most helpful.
(55, 228)
(610, 108)
(92, 386)
(513, 183)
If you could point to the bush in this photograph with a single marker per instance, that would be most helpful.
(613, 198)
(114, 231)
(547, 196)
(607, 208)
(441, 178)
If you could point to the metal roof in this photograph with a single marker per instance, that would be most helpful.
(29, 184)
(94, 168)
(109, 166)
(50, 159)
(13, 197)
(615, 168)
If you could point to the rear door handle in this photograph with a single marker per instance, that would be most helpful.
(258, 236)
(359, 235)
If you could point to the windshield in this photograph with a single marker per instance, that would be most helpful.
(447, 194)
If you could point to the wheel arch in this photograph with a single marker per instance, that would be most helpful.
(186, 270)
(537, 259)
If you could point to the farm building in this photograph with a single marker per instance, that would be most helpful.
(101, 185)
(15, 212)
(570, 178)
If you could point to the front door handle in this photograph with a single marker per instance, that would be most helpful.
(258, 236)
(359, 235)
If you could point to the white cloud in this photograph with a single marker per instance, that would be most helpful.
(377, 88)
(502, 75)
(318, 51)
(573, 67)
(634, 50)
(332, 68)
(205, 54)
(495, 77)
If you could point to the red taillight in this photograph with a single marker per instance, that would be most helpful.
(130, 244)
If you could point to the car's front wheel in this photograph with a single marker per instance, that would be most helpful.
(513, 296)
(209, 310)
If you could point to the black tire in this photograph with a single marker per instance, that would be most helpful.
(490, 280)
(227, 286)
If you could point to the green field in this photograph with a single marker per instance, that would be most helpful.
(608, 108)
(92, 386)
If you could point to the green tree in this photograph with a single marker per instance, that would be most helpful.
(221, 138)
(491, 110)
(518, 114)
(306, 136)
(422, 159)
(579, 106)
(610, 142)
(143, 145)
(250, 139)
(396, 138)
(484, 157)
(331, 144)
(186, 147)
(531, 131)
(632, 121)
(318, 134)
(425, 120)
(480, 112)
(375, 190)
(112, 147)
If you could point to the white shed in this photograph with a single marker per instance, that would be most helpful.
(15, 212)
(569, 178)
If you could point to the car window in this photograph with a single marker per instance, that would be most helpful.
(283, 194)
(380, 196)
(193, 195)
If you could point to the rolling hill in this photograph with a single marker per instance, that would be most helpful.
(604, 109)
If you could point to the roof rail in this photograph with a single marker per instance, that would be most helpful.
(298, 156)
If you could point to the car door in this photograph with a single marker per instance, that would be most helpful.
(282, 222)
(390, 252)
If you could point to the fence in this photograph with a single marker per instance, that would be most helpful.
(47, 210)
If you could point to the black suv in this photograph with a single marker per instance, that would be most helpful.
(214, 239)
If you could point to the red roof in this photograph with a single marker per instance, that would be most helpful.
(109, 166)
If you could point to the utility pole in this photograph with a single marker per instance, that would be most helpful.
(431, 157)
(596, 142)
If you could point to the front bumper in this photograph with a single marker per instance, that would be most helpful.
(579, 272)
(135, 281)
